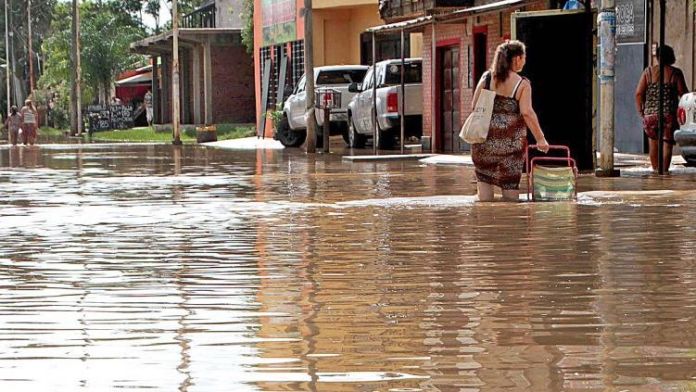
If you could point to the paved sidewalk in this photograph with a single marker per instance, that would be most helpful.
(247, 143)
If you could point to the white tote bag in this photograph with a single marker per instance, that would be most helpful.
(475, 128)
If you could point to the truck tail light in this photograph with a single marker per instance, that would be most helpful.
(392, 102)
(681, 116)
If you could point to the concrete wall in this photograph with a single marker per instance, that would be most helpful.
(233, 85)
(228, 14)
(337, 33)
(627, 123)
(679, 33)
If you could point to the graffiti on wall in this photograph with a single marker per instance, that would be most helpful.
(278, 21)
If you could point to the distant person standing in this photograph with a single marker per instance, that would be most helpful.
(648, 103)
(28, 113)
(147, 101)
(13, 124)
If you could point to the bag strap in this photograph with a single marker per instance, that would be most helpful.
(517, 86)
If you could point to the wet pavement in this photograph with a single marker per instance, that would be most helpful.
(150, 267)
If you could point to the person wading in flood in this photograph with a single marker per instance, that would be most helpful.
(648, 104)
(29, 130)
(13, 123)
(500, 159)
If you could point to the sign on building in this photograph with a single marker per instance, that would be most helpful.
(278, 21)
(630, 22)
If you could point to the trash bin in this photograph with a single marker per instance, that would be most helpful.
(206, 133)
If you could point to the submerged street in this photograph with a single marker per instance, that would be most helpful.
(200, 269)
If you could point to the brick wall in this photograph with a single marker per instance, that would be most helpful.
(460, 34)
(233, 85)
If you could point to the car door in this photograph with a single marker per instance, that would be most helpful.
(361, 103)
(297, 105)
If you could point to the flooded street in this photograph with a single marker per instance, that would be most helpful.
(197, 269)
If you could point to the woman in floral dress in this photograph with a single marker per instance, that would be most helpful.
(500, 159)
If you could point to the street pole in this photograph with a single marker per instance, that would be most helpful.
(31, 51)
(310, 143)
(175, 75)
(7, 58)
(606, 24)
(78, 67)
(660, 113)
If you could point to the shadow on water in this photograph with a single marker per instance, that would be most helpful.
(194, 269)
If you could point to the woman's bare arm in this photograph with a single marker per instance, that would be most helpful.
(640, 94)
(682, 88)
(530, 117)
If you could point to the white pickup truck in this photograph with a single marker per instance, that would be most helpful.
(292, 129)
(361, 108)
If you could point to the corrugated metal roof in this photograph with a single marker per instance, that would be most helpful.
(446, 17)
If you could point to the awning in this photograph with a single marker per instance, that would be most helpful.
(144, 78)
(162, 43)
(447, 17)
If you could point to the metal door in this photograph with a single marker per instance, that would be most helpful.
(449, 97)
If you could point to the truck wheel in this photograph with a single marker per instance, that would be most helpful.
(287, 136)
(355, 140)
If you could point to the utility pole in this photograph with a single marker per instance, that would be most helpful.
(175, 75)
(310, 143)
(31, 51)
(606, 24)
(7, 58)
(76, 74)
(661, 111)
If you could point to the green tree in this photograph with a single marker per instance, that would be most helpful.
(106, 35)
(247, 16)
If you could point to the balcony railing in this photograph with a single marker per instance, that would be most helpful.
(203, 17)
(402, 9)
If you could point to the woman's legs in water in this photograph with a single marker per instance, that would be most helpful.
(484, 191)
(511, 195)
(666, 157)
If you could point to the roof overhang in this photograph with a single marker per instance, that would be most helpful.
(446, 17)
(143, 78)
(161, 44)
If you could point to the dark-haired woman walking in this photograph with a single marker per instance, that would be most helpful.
(648, 103)
(500, 159)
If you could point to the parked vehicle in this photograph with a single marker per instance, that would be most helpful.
(686, 135)
(292, 129)
(361, 109)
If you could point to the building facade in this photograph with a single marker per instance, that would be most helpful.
(338, 34)
(216, 72)
(459, 41)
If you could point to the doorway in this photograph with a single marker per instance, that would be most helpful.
(449, 98)
(480, 52)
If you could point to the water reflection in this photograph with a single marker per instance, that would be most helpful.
(196, 269)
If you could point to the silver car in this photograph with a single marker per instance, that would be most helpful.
(686, 135)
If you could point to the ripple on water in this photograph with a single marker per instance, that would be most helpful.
(268, 273)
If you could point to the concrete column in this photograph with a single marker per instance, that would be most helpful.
(156, 105)
(606, 27)
(208, 83)
(166, 90)
(196, 79)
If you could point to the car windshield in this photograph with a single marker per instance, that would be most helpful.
(413, 74)
(341, 76)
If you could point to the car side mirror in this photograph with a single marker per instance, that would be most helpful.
(354, 87)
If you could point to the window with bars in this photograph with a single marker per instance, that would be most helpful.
(295, 68)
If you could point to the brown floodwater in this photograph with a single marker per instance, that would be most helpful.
(194, 269)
